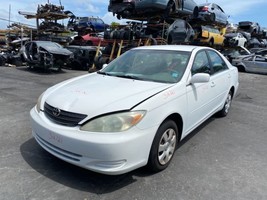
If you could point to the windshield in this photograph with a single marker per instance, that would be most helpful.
(149, 65)
(49, 45)
(231, 35)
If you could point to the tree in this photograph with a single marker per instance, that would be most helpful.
(114, 25)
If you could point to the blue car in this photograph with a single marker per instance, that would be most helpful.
(95, 24)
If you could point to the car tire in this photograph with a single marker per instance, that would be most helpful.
(211, 42)
(241, 68)
(163, 146)
(226, 106)
(89, 43)
(115, 34)
(169, 9)
(106, 34)
(169, 39)
(195, 12)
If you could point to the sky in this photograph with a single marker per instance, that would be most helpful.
(238, 10)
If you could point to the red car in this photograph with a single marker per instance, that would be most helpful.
(92, 39)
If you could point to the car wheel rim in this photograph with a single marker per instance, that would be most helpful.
(228, 103)
(167, 146)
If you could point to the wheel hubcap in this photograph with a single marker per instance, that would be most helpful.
(228, 103)
(167, 146)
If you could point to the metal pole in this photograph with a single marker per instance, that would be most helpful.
(9, 25)
(9, 15)
(21, 37)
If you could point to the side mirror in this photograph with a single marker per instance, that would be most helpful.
(200, 78)
(104, 65)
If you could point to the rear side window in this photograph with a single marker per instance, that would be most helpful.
(217, 63)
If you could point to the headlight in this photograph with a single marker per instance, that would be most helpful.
(114, 123)
(38, 105)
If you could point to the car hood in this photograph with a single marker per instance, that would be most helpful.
(96, 94)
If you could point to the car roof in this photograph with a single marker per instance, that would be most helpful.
(187, 48)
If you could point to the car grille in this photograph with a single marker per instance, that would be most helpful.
(62, 117)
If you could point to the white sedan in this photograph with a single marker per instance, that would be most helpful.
(136, 109)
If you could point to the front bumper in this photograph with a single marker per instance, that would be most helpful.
(107, 153)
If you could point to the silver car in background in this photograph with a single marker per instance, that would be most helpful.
(253, 63)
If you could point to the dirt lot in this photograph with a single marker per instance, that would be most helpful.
(223, 159)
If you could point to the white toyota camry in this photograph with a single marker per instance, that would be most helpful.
(136, 109)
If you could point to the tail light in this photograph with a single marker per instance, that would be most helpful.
(205, 8)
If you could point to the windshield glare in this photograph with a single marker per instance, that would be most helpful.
(150, 65)
(49, 44)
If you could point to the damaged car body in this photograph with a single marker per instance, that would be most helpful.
(45, 54)
(83, 57)
(136, 8)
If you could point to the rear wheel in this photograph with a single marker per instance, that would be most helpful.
(170, 9)
(163, 146)
(241, 68)
(211, 42)
(227, 105)
(195, 12)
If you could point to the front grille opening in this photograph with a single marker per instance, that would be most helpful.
(61, 152)
(62, 117)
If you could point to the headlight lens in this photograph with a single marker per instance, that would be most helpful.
(115, 122)
(38, 105)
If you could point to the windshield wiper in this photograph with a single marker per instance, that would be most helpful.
(103, 73)
(121, 75)
(129, 77)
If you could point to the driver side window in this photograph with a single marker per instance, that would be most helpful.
(201, 64)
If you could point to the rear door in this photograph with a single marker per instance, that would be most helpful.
(205, 98)
(260, 64)
(220, 78)
(199, 95)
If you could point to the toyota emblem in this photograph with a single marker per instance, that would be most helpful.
(56, 112)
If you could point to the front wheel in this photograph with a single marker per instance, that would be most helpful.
(163, 146)
(227, 105)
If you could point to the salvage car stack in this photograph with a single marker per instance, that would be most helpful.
(159, 22)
